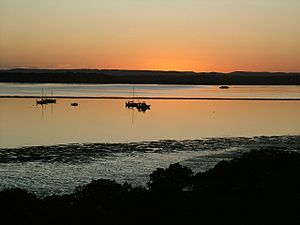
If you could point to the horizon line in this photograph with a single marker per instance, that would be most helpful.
(144, 70)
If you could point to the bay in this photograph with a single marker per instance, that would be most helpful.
(52, 149)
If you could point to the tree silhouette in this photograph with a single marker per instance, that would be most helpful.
(175, 178)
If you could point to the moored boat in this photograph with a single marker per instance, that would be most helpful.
(74, 104)
(223, 87)
(141, 106)
(44, 101)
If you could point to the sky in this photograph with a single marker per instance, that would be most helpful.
(185, 35)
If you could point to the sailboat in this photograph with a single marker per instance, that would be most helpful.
(131, 103)
(44, 101)
(141, 106)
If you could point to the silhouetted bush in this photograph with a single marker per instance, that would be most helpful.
(261, 187)
(17, 204)
(101, 190)
(255, 171)
(174, 178)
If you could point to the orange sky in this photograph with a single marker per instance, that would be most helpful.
(199, 35)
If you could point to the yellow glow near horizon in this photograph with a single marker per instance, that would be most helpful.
(199, 35)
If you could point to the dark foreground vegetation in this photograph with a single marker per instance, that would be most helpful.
(261, 187)
(147, 77)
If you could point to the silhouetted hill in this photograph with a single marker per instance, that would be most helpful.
(147, 77)
(261, 187)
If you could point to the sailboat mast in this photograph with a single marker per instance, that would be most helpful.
(133, 94)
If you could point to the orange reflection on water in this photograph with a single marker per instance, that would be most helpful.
(23, 123)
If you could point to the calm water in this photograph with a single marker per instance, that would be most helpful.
(25, 124)
(115, 90)
(69, 146)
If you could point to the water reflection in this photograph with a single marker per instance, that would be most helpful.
(22, 123)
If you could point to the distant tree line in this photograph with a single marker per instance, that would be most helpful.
(147, 77)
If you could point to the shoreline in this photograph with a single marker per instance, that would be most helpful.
(157, 98)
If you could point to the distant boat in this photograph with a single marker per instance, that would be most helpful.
(131, 104)
(44, 101)
(223, 87)
(74, 104)
(141, 106)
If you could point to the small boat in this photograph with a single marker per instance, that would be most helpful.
(44, 101)
(141, 106)
(74, 104)
(223, 87)
(131, 104)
